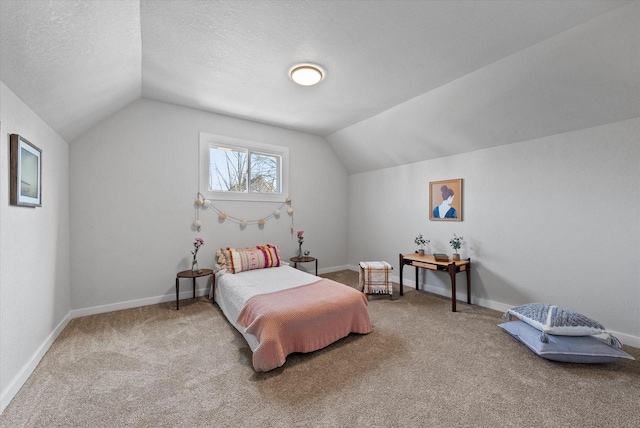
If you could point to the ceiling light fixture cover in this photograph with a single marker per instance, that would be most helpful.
(306, 74)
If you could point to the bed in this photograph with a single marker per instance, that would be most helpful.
(280, 310)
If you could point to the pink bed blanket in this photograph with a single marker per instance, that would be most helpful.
(302, 319)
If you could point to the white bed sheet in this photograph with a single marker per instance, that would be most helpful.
(233, 290)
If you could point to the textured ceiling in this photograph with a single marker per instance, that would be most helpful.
(73, 62)
(233, 57)
(76, 62)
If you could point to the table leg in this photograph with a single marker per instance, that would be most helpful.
(194, 287)
(213, 286)
(417, 279)
(316, 267)
(177, 294)
(468, 284)
(452, 274)
(401, 269)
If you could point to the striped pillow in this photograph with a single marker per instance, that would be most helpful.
(271, 255)
(243, 259)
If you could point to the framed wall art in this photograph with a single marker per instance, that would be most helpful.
(445, 200)
(26, 173)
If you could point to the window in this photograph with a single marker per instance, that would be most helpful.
(234, 169)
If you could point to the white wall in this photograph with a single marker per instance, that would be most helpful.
(134, 179)
(34, 250)
(554, 220)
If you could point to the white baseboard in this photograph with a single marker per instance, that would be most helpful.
(333, 269)
(627, 339)
(94, 310)
(21, 377)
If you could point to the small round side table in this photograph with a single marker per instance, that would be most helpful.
(305, 259)
(194, 275)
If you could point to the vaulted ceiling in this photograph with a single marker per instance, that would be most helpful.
(485, 68)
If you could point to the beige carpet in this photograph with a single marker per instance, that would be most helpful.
(422, 366)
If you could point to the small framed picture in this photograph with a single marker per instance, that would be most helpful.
(26, 173)
(445, 200)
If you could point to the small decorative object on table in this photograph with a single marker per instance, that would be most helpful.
(306, 253)
(421, 242)
(300, 241)
(440, 257)
(456, 243)
(199, 242)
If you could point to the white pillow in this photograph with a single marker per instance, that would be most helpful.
(559, 321)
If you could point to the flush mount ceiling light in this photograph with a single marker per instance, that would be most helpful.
(306, 74)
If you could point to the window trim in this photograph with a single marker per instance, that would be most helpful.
(212, 140)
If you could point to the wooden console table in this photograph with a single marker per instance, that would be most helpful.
(427, 261)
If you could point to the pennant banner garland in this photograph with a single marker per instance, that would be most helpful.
(202, 202)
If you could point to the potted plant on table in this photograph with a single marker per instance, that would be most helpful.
(421, 242)
(456, 243)
(199, 242)
(300, 241)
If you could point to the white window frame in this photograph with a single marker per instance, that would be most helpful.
(208, 141)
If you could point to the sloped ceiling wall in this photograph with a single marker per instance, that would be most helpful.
(585, 77)
(406, 80)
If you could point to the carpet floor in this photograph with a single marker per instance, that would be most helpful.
(423, 365)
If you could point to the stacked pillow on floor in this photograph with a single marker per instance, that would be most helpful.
(561, 334)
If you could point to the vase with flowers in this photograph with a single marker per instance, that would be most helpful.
(421, 241)
(300, 241)
(199, 242)
(456, 243)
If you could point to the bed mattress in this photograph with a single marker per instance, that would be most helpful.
(280, 311)
(233, 290)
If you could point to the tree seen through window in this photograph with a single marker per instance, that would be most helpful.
(240, 170)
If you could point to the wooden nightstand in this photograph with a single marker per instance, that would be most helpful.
(305, 259)
(194, 275)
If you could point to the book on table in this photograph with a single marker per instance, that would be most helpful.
(441, 257)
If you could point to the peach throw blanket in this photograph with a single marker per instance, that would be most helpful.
(302, 319)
